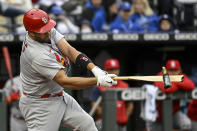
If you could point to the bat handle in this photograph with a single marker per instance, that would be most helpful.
(166, 78)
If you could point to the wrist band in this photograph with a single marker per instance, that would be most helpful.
(82, 60)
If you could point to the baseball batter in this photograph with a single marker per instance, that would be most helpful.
(13, 93)
(44, 62)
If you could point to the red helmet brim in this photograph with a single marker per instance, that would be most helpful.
(46, 27)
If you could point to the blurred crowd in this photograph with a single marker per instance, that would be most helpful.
(109, 16)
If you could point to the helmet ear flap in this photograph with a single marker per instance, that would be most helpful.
(38, 21)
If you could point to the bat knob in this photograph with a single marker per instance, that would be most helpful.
(166, 81)
(182, 79)
(166, 78)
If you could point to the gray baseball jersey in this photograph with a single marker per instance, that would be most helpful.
(16, 123)
(39, 64)
(16, 88)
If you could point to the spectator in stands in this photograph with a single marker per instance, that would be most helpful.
(111, 8)
(46, 4)
(122, 23)
(99, 17)
(87, 17)
(180, 120)
(20, 30)
(166, 24)
(64, 25)
(143, 15)
(12, 8)
(123, 110)
(73, 6)
(166, 7)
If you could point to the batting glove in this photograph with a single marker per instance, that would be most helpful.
(98, 72)
(106, 80)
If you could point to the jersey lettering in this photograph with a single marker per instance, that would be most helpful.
(57, 57)
(63, 61)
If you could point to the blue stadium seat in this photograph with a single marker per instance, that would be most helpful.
(5, 21)
(4, 30)
(5, 25)
(19, 20)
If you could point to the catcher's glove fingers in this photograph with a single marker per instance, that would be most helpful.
(106, 80)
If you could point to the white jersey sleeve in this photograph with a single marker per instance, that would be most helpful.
(46, 66)
(56, 36)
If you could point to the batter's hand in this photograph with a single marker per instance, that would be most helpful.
(106, 80)
(98, 72)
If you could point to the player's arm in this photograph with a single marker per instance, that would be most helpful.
(68, 50)
(130, 107)
(78, 58)
(81, 82)
(74, 82)
(186, 84)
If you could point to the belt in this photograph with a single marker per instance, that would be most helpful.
(49, 95)
(18, 117)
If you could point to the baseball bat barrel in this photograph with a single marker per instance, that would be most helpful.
(173, 78)
(7, 62)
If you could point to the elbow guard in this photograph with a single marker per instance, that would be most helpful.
(82, 61)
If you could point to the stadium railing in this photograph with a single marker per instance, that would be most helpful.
(139, 94)
(113, 38)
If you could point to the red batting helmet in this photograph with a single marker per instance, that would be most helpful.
(38, 21)
(112, 64)
(173, 65)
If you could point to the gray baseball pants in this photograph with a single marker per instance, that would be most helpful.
(180, 121)
(47, 114)
(194, 125)
(17, 125)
